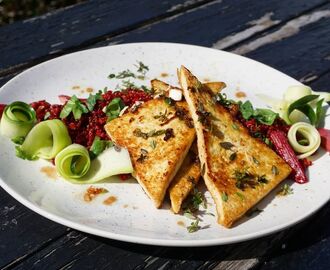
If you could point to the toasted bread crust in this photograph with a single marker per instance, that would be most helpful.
(184, 181)
(155, 159)
(218, 137)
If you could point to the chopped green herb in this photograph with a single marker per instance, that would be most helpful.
(255, 160)
(222, 99)
(234, 126)
(194, 227)
(145, 135)
(285, 190)
(142, 68)
(188, 214)
(203, 115)
(275, 170)
(127, 84)
(233, 156)
(169, 101)
(98, 146)
(265, 116)
(227, 145)
(198, 199)
(217, 132)
(224, 196)
(163, 117)
(21, 154)
(75, 106)
(143, 155)
(18, 140)
(244, 179)
(153, 144)
(240, 195)
(262, 179)
(114, 108)
(111, 76)
(246, 109)
(125, 74)
(91, 100)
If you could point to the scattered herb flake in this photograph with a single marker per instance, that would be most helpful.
(240, 195)
(143, 155)
(194, 227)
(232, 156)
(169, 101)
(285, 190)
(98, 146)
(224, 196)
(275, 170)
(91, 100)
(227, 145)
(114, 108)
(262, 179)
(255, 160)
(153, 144)
(234, 126)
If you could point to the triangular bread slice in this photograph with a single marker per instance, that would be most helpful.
(238, 170)
(184, 181)
(158, 137)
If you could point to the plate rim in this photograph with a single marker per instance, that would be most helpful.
(137, 239)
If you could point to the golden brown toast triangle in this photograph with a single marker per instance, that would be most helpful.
(157, 140)
(238, 169)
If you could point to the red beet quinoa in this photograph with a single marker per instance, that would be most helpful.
(91, 124)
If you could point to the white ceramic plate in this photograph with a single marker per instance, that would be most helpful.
(132, 217)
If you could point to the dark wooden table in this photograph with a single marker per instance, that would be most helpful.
(292, 36)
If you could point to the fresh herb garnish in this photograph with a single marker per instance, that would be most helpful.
(92, 99)
(153, 144)
(98, 146)
(203, 115)
(262, 179)
(162, 116)
(114, 108)
(240, 195)
(224, 196)
(75, 106)
(255, 160)
(18, 140)
(227, 145)
(187, 213)
(198, 199)
(233, 156)
(143, 155)
(263, 116)
(246, 109)
(244, 179)
(194, 227)
(143, 69)
(222, 99)
(217, 132)
(145, 135)
(275, 170)
(285, 190)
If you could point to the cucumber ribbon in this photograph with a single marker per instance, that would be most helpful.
(309, 142)
(45, 140)
(17, 120)
(73, 164)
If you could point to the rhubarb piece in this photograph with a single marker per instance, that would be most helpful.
(283, 148)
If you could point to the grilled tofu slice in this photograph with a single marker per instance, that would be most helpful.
(158, 137)
(162, 88)
(184, 181)
(238, 170)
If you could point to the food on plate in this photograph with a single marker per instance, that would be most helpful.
(232, 161)
(241, 154)
(157, 136)
(184, 181)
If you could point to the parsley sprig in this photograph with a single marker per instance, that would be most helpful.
(74, 106)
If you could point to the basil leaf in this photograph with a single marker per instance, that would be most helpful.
(113, 108)
(98, 146)
(319, 112)
(75, 106)
(309, 112)
(92, 99)
(246, 109)
(265, 116)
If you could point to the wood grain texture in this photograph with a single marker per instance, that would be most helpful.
(79, 25)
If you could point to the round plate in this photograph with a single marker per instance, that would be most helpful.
(132, 217)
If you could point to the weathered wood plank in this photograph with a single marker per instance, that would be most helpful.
(79, 25)
(22, 231)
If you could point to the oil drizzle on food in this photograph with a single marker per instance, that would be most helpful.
(50, 171)
(163, 74)
(240, 94)
(181, 223)
(110, 200)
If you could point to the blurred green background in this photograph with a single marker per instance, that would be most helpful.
(14, 10)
